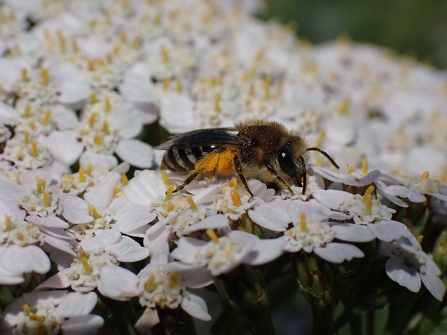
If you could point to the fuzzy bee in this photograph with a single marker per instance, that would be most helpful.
(265, 150)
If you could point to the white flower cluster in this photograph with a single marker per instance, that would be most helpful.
(79, 81)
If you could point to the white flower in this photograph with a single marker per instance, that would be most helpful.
(408, 265)
(51, 312)
(221, 255)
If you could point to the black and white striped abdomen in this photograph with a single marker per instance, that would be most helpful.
(183, 160)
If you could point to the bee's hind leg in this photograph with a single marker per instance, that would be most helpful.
(193, 175)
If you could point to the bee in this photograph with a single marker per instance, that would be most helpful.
(265, 150)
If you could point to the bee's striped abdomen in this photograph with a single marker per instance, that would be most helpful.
(183, 160)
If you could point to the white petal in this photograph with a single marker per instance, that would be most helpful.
(64, 146)
(365, 180)
(127, 250)
(76, 304)
(63, 117)
(405, 192)
(101, 240)
(125, 118)
(404, 275)
(85, 325)
(177, 113)
(332, 198)
(217, 221)
(11, 191)
(146, 187)
(74, 209)
(264, 251)
(74, 91)
(18, 260)
(48, 221)
(433, 283)
(388, 230)
(102, 194)
(352, 232)
(314, 211)
(338, 252)
(192, 276)
(135, 152)
(196, 307)
(59, 280)
(97, 160)
(270, 217)
(131, 217)
(147, 321)
(118, 283)
(187, 248)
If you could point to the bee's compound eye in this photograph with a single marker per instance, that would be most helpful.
(286, 162)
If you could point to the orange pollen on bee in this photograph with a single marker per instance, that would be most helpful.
(425, 176)
(212, 235)
(303, 224)
(191, 202)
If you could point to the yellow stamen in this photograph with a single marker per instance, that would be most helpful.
(62, 42)
(90, 65)
(149, 286)
(24, 74)
(190, 201)
(75, 46)
(179, 85)
(27, 136)
(45, 74)
(174, 279)
(217, 105)
(81, 175)
(94, 211)
(27, 309)
(303, 224)
(236, 198)
(166, 83)
(92, 119)
(367, 199)
(259, 55)
(124, 179)
(169, 192)
(344, 106)
(8, 222)
(27, 112)
(98, 140)
(425, 176)
(251, 90)
(157, 19)
(41, 183)
(169, 206)
(94, 98)
(89, 170)
(46, 198)
(233, 183)
(420, 238)
(17, 49)
(105, 128)
(266, 86)
(109, 58)
(320, 139)
(116, 189)
(212, 235)
(108, 105)
(36, 317)
(165, 177)
(34, 149)
(47, 118)
(365, 166)
(136, 43)
(369, 190)
(351, 169)
(164, 54)
(84, 260)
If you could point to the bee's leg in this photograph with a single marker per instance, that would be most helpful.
(193, 175)
(278, 179)
(238, 168)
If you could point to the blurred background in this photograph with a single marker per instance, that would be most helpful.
(415, 28)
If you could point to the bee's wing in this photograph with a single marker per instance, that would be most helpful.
(204, 138)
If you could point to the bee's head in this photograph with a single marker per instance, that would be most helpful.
(291, 161)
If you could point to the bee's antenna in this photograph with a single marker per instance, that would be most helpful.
(325, 154)
(303, 166)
